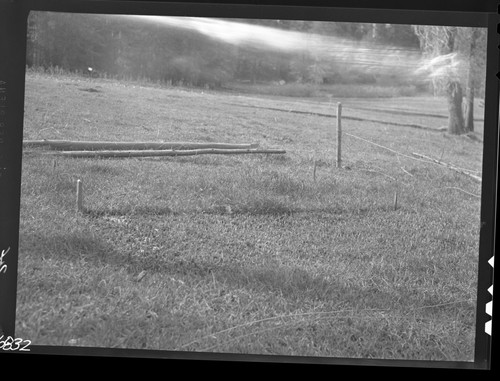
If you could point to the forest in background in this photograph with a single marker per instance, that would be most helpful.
(74, 42)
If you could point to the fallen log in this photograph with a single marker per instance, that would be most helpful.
(69, 145)
(447, 165)
(151, 153)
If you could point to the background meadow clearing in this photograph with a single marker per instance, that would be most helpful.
(256, 254)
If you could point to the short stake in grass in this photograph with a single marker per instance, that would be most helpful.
(339, 135)
(79, 196)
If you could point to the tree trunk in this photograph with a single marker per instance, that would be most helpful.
(469, 109)
(454, 97)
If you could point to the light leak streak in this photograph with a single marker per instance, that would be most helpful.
(371, 57)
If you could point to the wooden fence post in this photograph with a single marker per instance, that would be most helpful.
(79, 196)
(339, 135)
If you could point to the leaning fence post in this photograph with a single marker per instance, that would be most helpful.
(339, 135)
(79, 196)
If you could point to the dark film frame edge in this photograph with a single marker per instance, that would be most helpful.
(489, 203)
(13, 19)
(12, 46)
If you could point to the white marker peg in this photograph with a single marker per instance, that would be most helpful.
(79, 196)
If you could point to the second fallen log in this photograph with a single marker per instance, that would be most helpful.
(152, 153)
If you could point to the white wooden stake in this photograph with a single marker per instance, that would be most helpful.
(79, 196)
(339, 135)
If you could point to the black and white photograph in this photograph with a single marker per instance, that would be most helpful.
(256, 186)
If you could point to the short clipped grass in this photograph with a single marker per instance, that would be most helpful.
(254, 254)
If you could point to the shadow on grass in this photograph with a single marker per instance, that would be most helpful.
(260, 208)
(289, 282)
(130, 211)
(295, 283)
(256, 209)
(70, 247)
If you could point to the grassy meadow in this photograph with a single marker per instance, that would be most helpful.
(254, 254)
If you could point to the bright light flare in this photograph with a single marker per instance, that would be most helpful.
(443, 66)
(373, 58)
